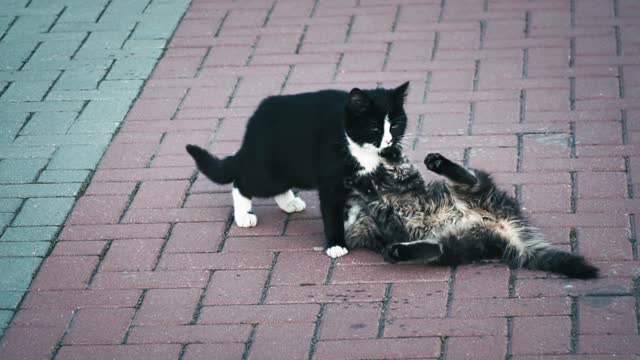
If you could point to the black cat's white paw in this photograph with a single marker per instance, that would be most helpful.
(336, 251)
(434, 162)
(289, 202)
(245, 219)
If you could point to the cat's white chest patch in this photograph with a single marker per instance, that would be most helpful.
(367, 156)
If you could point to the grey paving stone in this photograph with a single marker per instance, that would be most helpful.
(166, 8)
(36, 8)
(30, 233)
(25, 152)
(10, 116)
(36, 23)
(39, 190)
(31, 106)
(126, 8)
(17, 272)
(24, 248)
(150, 30)
(87, 12)
(80, 79)
(124, 53)
(43, 37)
(145, 44)
(91, 26)
(5, 318)
(9, 205)
(46, 123)
(105, 40)
(91, 94)
(56, 50)
(127, 69)
(44, 211)
(76, 157)
(29, 75)
(5, 219)
(26, 91)
(106, 110)
(68, 64)
(16, 171)
(11, 124)
(63, 176)
(10, 299)
(13, 53)
(5, 21)
(97, 139)
(93, 127)
(119, 85)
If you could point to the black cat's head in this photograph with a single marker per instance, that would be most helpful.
(375, 119)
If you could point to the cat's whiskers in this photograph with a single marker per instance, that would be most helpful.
(401, 141)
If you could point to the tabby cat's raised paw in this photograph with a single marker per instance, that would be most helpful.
(434, 162)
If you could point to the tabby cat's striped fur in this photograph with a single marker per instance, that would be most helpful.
(463, 219)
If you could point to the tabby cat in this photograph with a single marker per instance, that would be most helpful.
(463, 219)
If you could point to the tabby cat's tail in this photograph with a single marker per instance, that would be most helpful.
(534, 253)
(221, 171)
(527, 249)
(560, 262)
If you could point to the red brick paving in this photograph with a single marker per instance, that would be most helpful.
(541, 335)
(544, 94)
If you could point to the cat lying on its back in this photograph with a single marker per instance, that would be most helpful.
(458, 221)
(305, 141)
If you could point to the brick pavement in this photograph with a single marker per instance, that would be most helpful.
(544, 94)
(69, 72)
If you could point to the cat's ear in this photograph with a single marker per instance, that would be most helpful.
(400, 93)
(358, 101)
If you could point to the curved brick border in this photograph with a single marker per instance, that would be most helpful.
(544, 94)
(69, 72)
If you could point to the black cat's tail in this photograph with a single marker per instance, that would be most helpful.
(530, 251)
(221, 171)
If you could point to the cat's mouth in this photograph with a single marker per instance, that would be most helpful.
(383, 146)
(371, 148)
(375, 149)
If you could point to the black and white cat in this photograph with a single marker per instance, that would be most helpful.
(458, 221)
(307, 141)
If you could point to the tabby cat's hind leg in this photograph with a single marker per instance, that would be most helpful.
(425, 250)
(452, 249)
(472, 245)
(447, 168)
